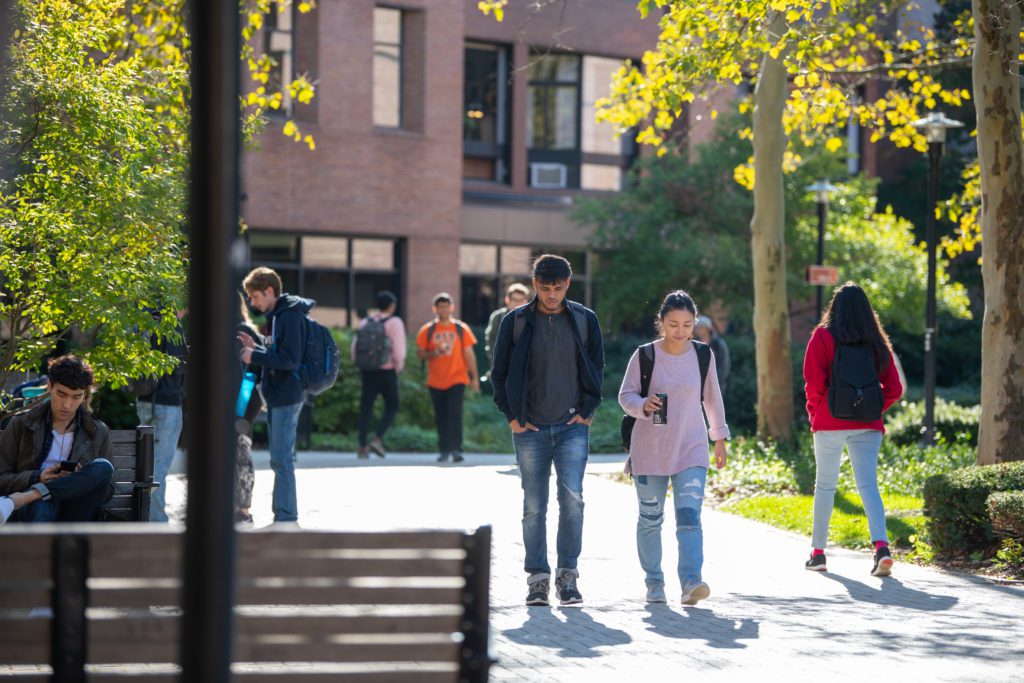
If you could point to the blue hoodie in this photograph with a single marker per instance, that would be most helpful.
(280, 384)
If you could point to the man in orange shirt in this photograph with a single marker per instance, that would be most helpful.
(447, 346)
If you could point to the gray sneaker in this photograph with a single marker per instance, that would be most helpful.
(565, 586)
(696, 593)
(538, 594)
(656, 592)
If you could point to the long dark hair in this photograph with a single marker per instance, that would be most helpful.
(851, 320)
(675, 301)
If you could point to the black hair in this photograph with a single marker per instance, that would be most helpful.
(70, 371)
(675, 301)
(442, 297)
(851, 320)
(550, 268)
(385, 299)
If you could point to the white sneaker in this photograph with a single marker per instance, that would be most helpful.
(656, 593)
(6, 509)
(696, 594)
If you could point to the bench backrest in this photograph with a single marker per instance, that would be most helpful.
(389, 606)
(132, 457)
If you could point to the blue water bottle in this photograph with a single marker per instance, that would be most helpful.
(245, 393)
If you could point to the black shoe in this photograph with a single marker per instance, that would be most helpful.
(377, 446)
(883, 562)
(538, 595)
(443, 457)
(816, 563)
(565, 586)
(457, 457)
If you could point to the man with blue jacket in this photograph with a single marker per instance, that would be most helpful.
(279, 358)
(547, 376)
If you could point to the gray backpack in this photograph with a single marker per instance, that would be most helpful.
(373, 346)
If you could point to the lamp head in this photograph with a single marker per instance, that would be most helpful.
(821, 189)
(935, 126)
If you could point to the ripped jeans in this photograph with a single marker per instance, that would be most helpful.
(687, 498)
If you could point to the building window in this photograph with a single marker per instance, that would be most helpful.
(485, 117)
(567, 148)
(342, 275)
(387, 67)
(279, 47)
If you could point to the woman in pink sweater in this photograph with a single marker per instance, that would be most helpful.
(849, 323)
(676, 451)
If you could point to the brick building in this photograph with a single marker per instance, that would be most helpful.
(449, 148)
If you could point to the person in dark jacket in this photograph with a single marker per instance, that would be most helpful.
(279, 359)
(547, 376)
(55, 458)
(162, 410)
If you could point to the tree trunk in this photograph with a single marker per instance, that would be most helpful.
(997, 25)
(771, 305)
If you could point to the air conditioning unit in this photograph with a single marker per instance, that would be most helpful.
(548, 176)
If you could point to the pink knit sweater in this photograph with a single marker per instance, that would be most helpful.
(683, 442)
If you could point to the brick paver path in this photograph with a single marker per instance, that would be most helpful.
(767, 618)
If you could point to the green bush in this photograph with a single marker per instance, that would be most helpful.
(1006, 510)
(116, 407)
(953, 423)
(956, 505)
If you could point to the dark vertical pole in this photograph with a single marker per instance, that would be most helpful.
(70, 599)
(928, 436)
(476, 657)
(144, 436)
(213, 368)
(822, 208)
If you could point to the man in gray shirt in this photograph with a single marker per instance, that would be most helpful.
(547, 375)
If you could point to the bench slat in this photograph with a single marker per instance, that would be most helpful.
(26, 595)
(25, 640)
(166, 565)
(334, 674)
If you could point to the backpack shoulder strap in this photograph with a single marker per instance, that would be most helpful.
(703, 363)
(430, 332)
(518, 324)
(580, 314)
(646, 367)
(459, 328)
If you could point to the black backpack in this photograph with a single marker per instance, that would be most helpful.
(318, 370)
(373, 346)
(647, 369)
(854, 392)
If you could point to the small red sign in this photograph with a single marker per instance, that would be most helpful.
(822, 275)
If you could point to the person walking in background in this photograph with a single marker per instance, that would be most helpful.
(247, 408)
(850, 379)
(680, 380)
(446, 344)
(279, 360)
(162, 409)
(547, 376)
(378, 350)
(515, 296)
(704, 331)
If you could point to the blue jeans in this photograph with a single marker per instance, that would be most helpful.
(862, 445)
(78, 497)
(688, 498)
(565, 446)
(166, 422)
(282, 423)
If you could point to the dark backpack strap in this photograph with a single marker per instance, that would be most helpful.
(518, 323)
(703, 363)
(646, 367)
(580, 314)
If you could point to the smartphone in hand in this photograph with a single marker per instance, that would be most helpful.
(68, 465)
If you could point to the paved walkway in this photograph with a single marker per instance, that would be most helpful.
(767, 618)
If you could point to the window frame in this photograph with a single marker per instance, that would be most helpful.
(400, 95)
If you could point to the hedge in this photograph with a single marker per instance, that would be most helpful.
(956, 505)
(1006, 510)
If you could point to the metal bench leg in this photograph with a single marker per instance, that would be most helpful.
(475, 661)
(70, 598)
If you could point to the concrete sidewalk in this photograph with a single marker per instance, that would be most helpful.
(767, 619)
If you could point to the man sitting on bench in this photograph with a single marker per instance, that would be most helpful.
(55, 458)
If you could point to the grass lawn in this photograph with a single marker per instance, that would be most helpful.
(849, 525)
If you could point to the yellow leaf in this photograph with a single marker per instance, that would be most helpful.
(309, 141)
(290, 128)
(834, 144)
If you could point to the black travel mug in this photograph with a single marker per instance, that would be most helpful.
(661, 417)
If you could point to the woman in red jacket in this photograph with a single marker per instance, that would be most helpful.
(849, 321)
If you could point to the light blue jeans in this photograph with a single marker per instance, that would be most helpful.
(566, 447)
(282, 423)
(862, 445)
(688, 499)
(166, 422)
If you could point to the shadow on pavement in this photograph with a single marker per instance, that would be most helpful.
(577, 636)
(893, 592)
(701, 624)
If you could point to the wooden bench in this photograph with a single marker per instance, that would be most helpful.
(132, 458)
(310, 606)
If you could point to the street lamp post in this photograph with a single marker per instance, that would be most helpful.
(935, 126)
(821, 189)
